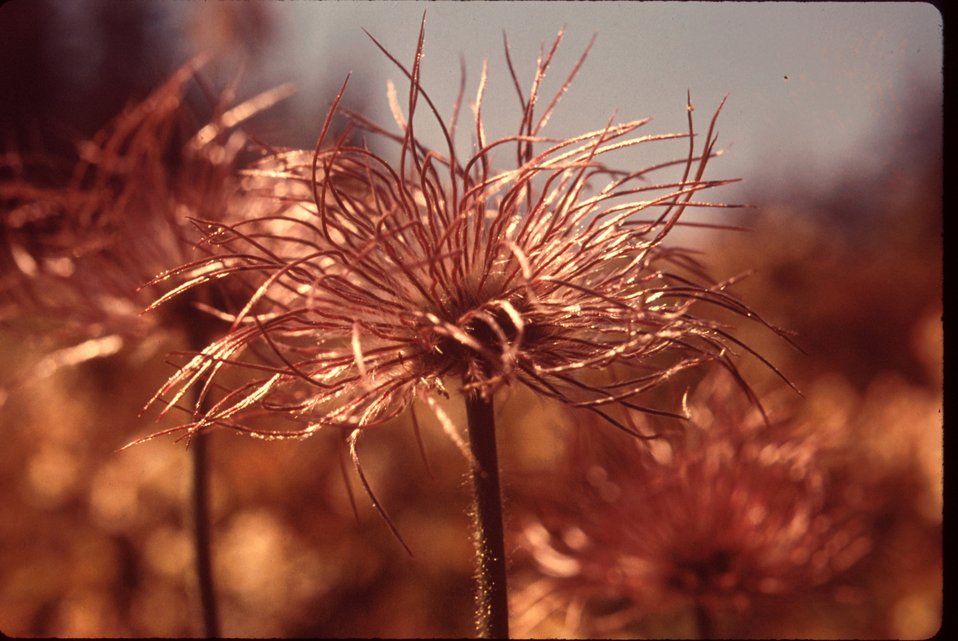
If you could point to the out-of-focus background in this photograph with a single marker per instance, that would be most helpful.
(834, 121)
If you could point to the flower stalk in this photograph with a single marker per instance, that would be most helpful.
(703, 621)
(202, 534)
(492, 609)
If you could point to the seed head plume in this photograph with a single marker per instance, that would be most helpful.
(381, 279)
(82, 237)
(730, 510)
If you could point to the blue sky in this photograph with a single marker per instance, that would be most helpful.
(808, 84)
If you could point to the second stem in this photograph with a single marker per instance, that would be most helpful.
(202, 534)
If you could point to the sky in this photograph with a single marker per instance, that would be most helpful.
(808, 85)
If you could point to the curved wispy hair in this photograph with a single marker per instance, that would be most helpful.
(377, 282)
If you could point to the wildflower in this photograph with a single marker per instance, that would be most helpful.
(731, 510)
(390, 279)
(79, 252)
(82, 237)
(381, 282)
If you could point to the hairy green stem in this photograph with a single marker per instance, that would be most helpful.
(492, 609)
(202, 534)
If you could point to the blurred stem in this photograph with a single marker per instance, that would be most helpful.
(703, 621)
(492, 608)
(202, 533)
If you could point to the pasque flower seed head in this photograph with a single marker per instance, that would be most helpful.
(377, 280)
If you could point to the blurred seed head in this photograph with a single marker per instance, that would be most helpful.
(82, 237)
(728, 510)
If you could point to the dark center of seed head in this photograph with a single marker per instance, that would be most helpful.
(493, 332)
